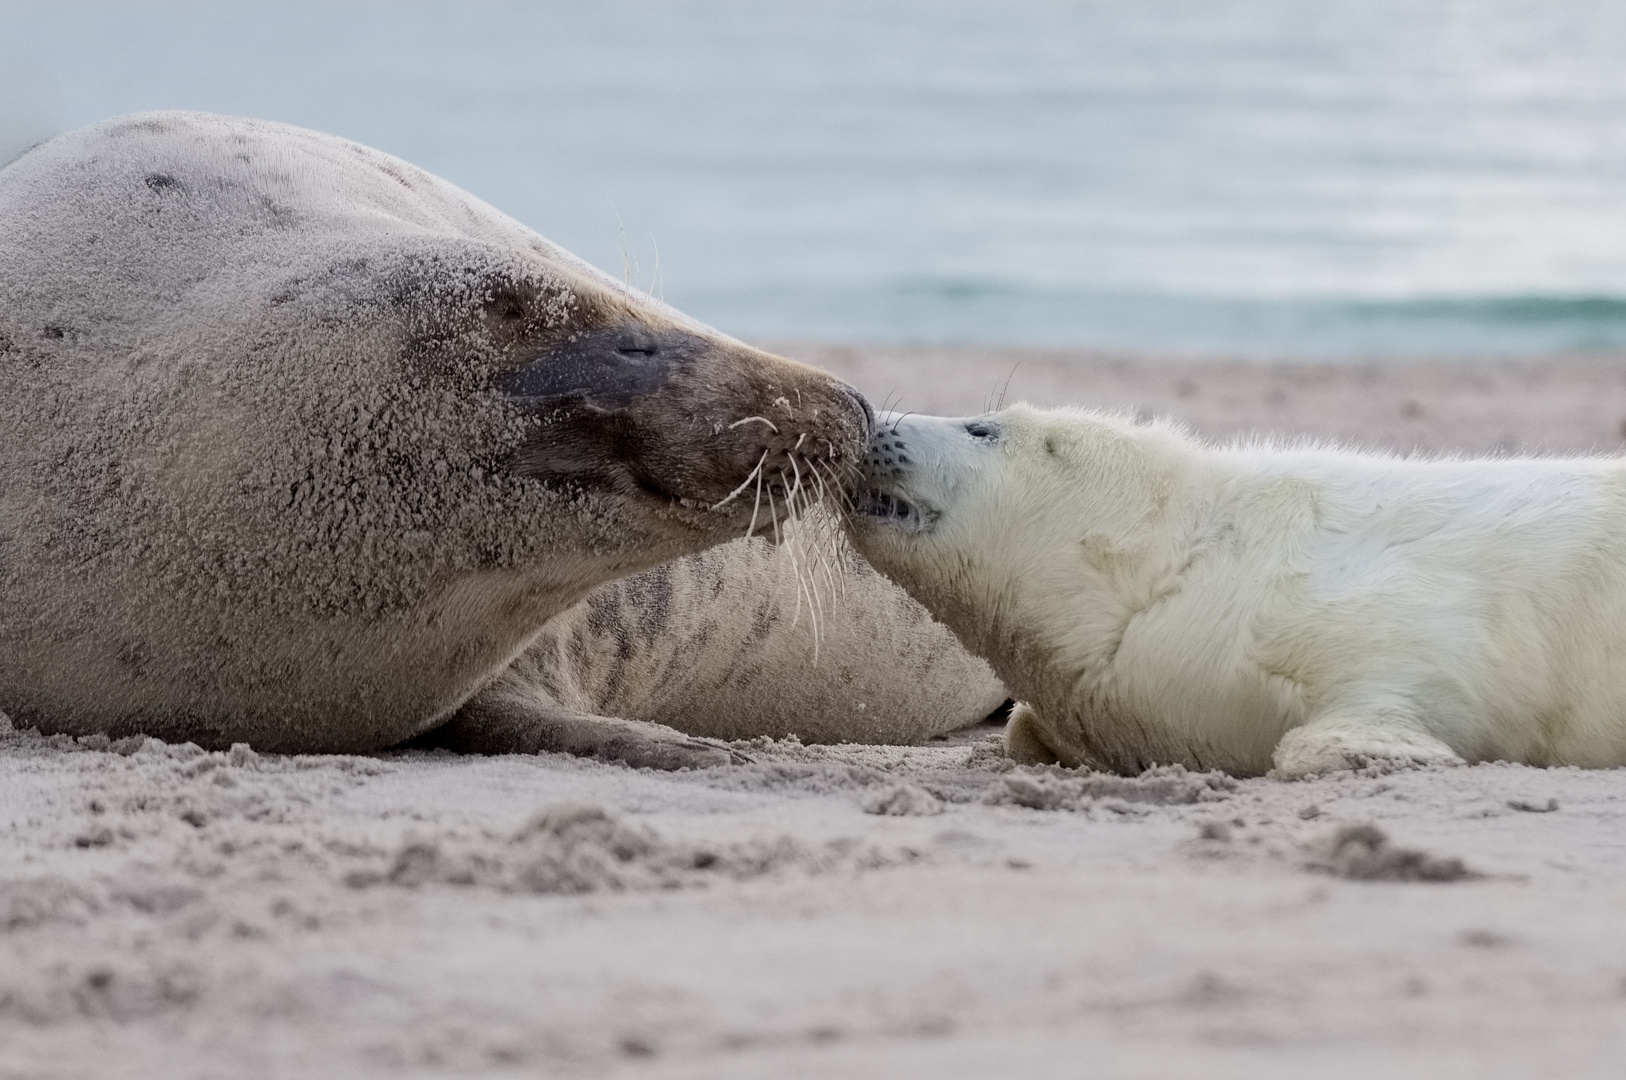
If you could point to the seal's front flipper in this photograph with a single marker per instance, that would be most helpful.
(504, 724)
(1337, 742)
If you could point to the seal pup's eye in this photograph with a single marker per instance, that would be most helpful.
(986, 430)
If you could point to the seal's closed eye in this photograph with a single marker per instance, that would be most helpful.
(637, 343)
(608, 368)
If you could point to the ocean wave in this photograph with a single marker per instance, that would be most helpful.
(976, 310)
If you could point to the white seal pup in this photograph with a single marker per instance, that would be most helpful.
(1151, 599)
(751, 638)
(300, 446)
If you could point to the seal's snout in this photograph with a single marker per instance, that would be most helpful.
(884, 499)
(915, 464)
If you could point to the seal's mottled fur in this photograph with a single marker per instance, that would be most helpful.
(300, 446)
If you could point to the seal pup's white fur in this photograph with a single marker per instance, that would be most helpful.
(729, 644)
(1153, 599)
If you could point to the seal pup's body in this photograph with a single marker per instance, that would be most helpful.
(300, 446)
(751, 638)
(1151, 599)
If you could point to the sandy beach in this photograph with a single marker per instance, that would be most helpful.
(846, 911)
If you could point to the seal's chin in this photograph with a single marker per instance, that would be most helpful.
(715, 513)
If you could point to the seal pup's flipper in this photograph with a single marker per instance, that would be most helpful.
(1339, 741)
(505, 724)
(1024, 743)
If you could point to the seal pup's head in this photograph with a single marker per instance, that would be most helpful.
(1010, 527)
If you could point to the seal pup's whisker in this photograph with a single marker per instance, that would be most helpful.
(745, 484)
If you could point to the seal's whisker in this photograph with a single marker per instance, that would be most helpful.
(797, 469)
(796, 540)
(756, 420)
(814, 529)
(744, 484)
(756, 503)
(1005, 388)
(843, 496)
(827, 548)
(789, 544)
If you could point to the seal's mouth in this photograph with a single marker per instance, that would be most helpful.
(660, 494)
(889, 508)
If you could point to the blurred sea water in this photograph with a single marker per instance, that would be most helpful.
(1317, 178)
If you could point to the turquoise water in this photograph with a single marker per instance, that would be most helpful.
(1332, 178)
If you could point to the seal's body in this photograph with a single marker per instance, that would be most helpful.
(740, 641)
(300, 446)
(1151, 599)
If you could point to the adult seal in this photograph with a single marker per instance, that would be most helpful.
(1152, 599)
(300, 446)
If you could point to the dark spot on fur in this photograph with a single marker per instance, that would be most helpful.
(132, 655)
(279, 216)
(140, 127)
(161, 181)
(763, 619)
(390, 170)
(55, 333)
